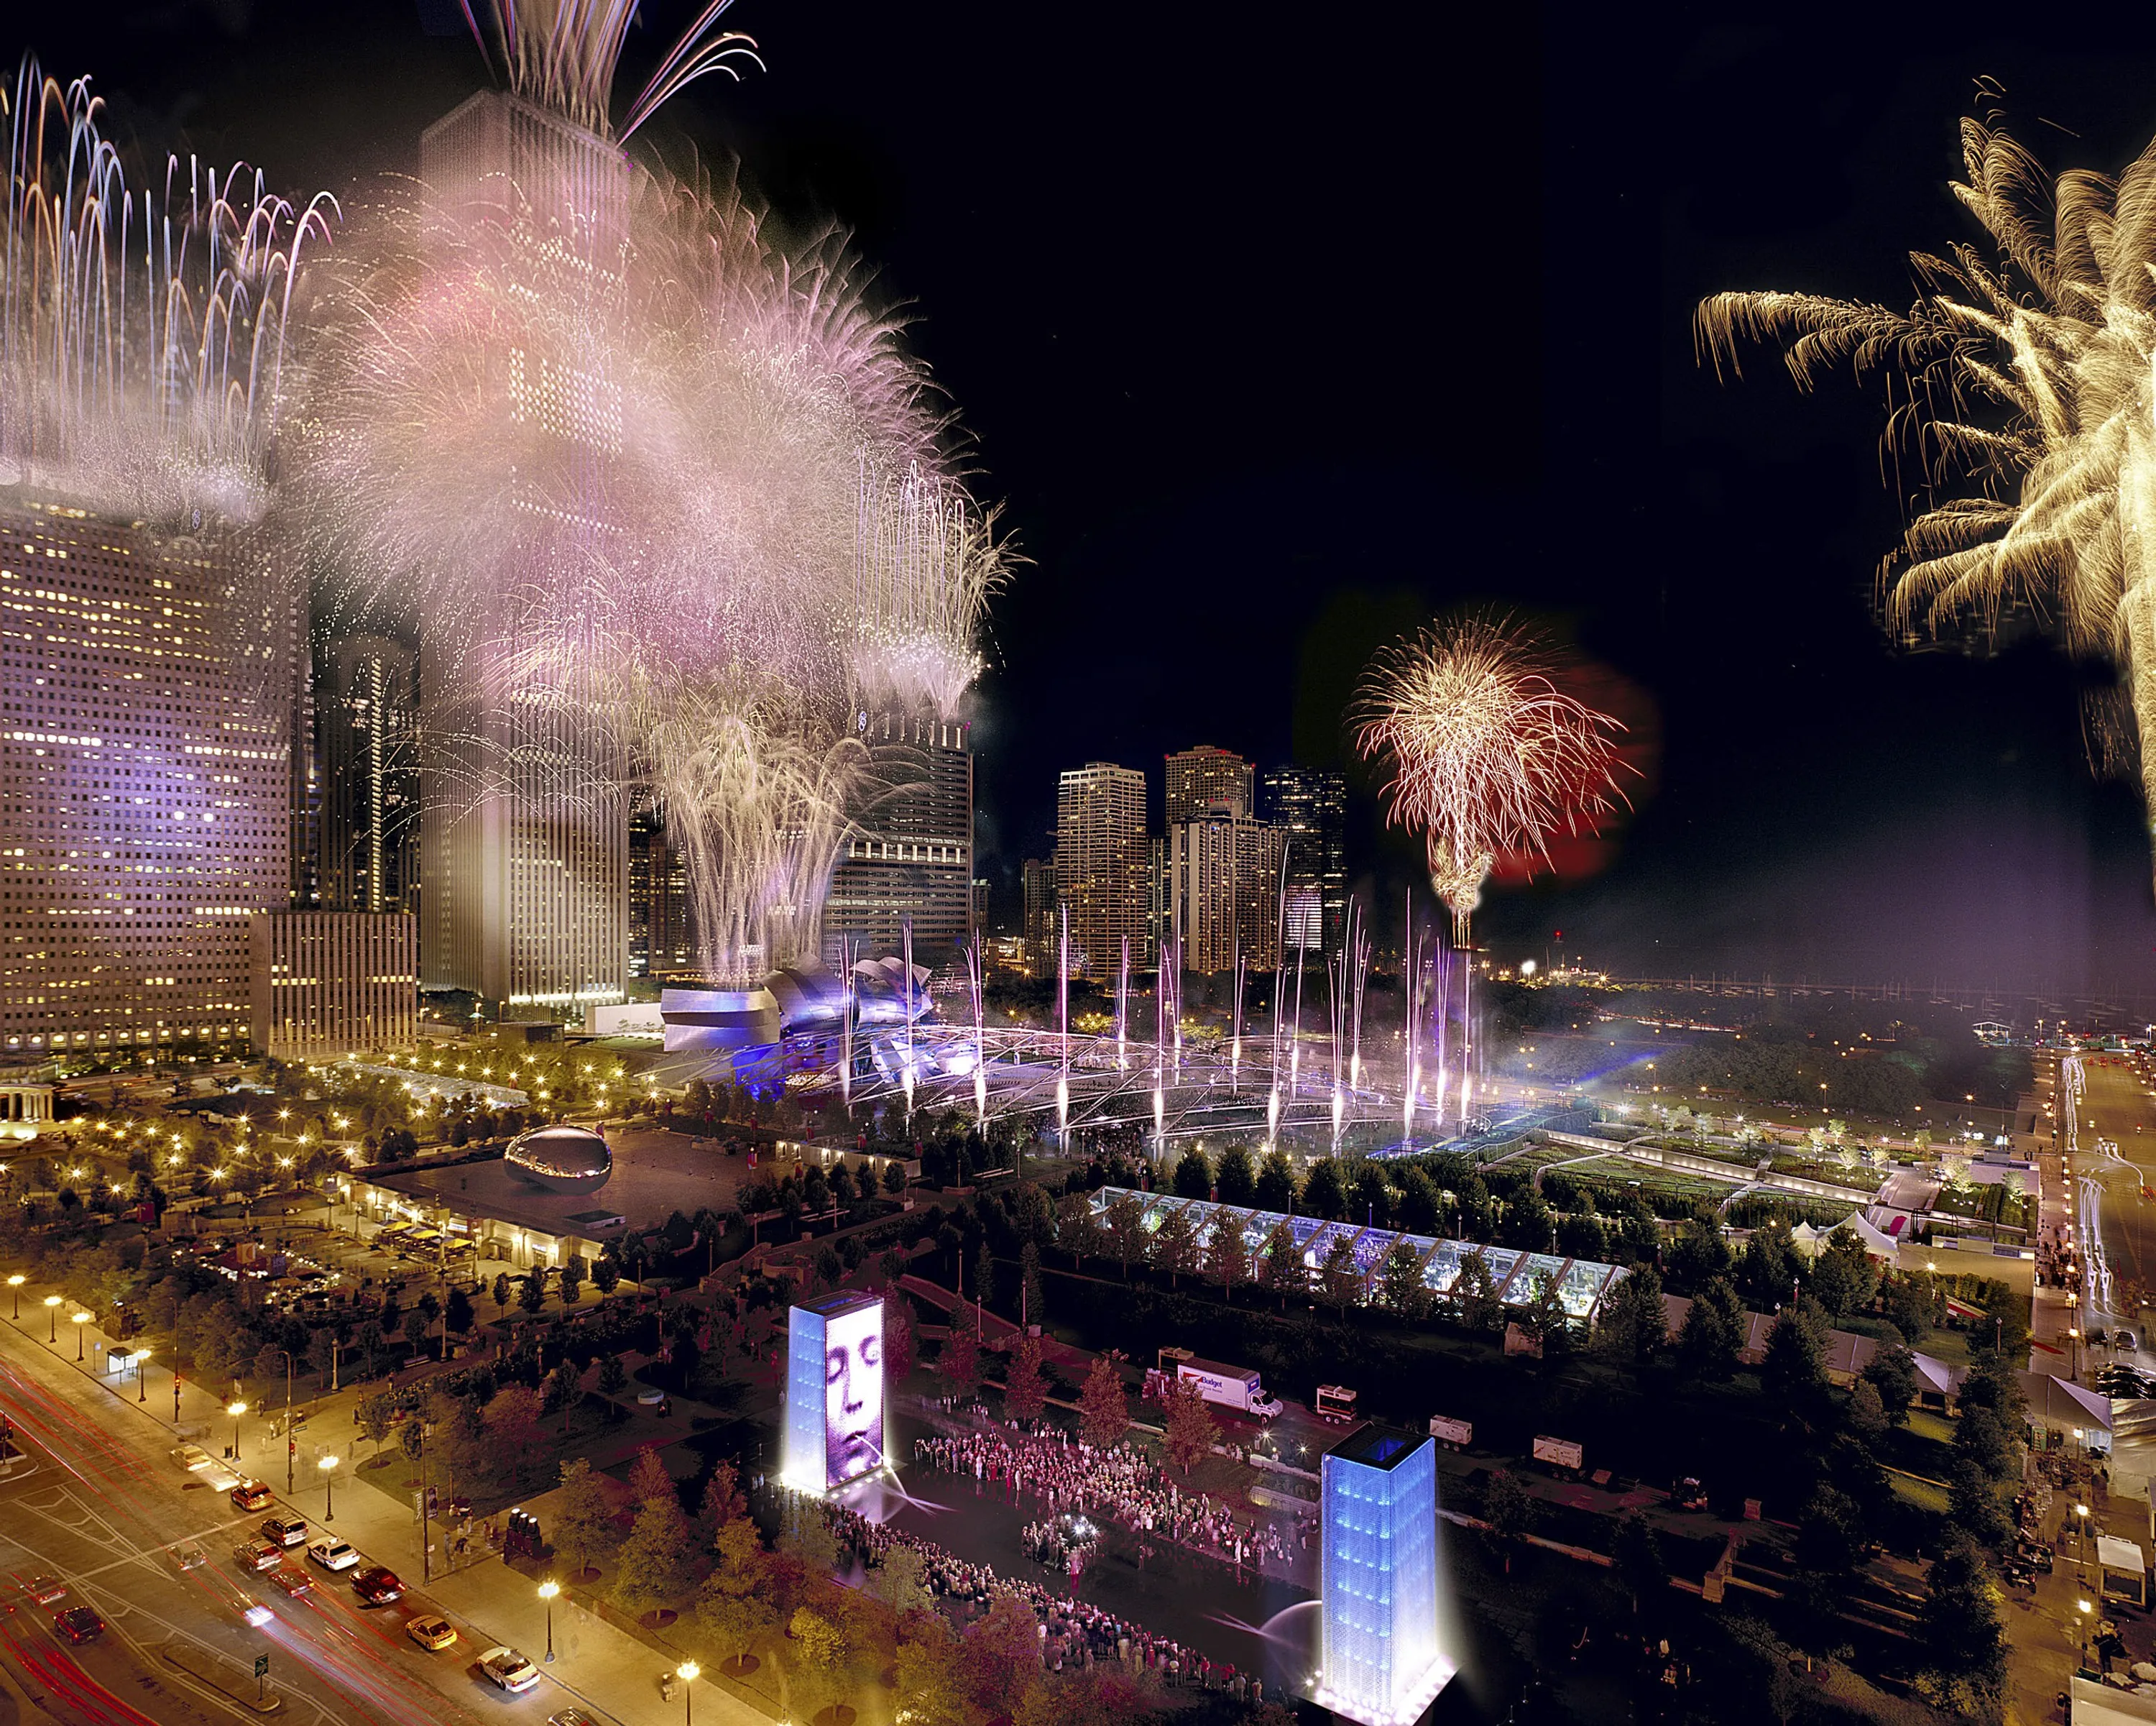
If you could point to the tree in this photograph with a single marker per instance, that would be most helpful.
(1509, 1510)
(459, 1314)
(1474, 1296)
(1793, 1374)
(899, 1581)
(377, 1414)
(1400, 1284)
(1340, 1278)
(1829, 1546)
(931, 1673)
(1844, 1280)
(1191, 1429)
(606, 1275)
(573, 1278)
(1026, 1392)
(512, 1425)
(959, 1365)
(985, 1276)
(1323, 1192)
(564, 1388)
(1194, 1175)
(1287, 1272)
(1104, 1405)
(1868, 1413)
(1958, 1628)
(1892, 1372)
(502, 1294)
(1029, 1281)
(897, 1339)
(1175, 1244)
(531, 1294)
(1713, 1333)
(1126, 1229)
(1419, 1210)
(582, 1520)
(1697, 1257)
(652, 1569)
(1276, 1187)
(613, 1376)
(1631, 1327)
(1230, 1254)
(415, 1329)
(1001, 1651)
(1769, 1268)
(732, 1606)
(1526, 1223)
(1236, 1180)
(722, 1502)
(816, 1657)
(1076, 1232)
(1639, 1563)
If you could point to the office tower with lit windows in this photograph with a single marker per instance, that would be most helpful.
(1039, 930)
(145, 749)
(661, 941)
(1200, 777)
(366, 708)
(524, 851)
(1224, 890)
(324, 985)
(1380, 1660)
(1310, 807)
(1101, 865)
(910, 852)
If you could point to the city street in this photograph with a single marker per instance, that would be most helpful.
(100, 1504)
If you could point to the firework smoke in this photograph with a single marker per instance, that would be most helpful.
(1484, 756)
(2019, 384)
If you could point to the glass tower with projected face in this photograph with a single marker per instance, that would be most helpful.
(835, 1391)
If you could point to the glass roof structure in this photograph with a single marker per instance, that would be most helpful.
(1581, 1284)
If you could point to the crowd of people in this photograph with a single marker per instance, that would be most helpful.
(1121, 1484)
(1065, 1541)
(1075, 1636)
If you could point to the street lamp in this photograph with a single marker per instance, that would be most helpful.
(16, 1282)
(2086, 1608)
(78, 1320)
(688, 1673)
(235, 1410)
(52, 1318)
(2082, 1511)
(547, 1590)
(328, 1466)
(141, 1381)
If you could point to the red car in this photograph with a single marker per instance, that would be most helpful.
(79, 1624)
(378, 1586)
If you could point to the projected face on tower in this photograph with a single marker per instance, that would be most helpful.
(853, 1394)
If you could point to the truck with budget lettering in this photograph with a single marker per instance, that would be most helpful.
(1239, 1387)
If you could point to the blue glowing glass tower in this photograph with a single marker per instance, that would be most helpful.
(1381, 1664)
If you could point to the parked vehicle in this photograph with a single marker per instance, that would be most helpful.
(1229, 1387)
(377, 1585)
(432, 1633)
(253, 1495)
(285, 1530)
(509, 1670)
(1335, 1403)
(332, 1554)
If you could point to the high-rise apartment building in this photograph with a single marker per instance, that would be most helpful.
(661, 943)
(1310, 806)
(367, 699)
(146, 696)
(1040, 926)
(1199, 779)
(911, 851)
(1223, 874)
(524, 858)
(1101, 865)
(328, 984)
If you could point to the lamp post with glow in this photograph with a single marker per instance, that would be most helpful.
(235, 1408)
(2081, 1512)
(2087, 1608)
(52, 1318)
(547, 1590)
(141, 1381)
(15, 1283)
(78, 1320)
(328, 1466)
(688, 1673)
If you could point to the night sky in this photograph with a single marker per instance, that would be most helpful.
(1279, 331)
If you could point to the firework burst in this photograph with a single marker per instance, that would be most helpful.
(2019, 390)
(1484, 756)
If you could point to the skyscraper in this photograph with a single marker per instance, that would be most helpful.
(912, 852)
(1200, 777)
(327, 984)
(365, 709)
(661, 940)
(145, 788)
(1040, 928)
(1311, 806)
(1224, 876)
(525, 851)
(1379, 1659)
(1100, 863)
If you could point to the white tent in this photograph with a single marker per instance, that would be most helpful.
(1876, 1244)
(1808, 1241)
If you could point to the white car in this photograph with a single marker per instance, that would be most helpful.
(193, 1458)
(509, 1669)
(332, 1554)
(196, 1460)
